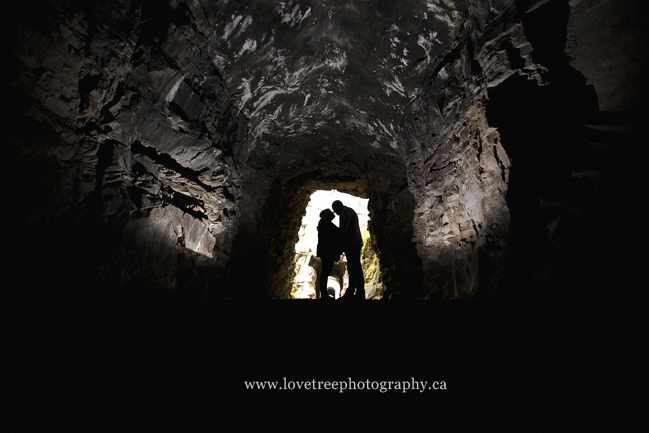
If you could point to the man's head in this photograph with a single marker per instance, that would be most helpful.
(327, 215)
(337, 206)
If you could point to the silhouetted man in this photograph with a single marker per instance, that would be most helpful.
(329, 249)
(352, 241)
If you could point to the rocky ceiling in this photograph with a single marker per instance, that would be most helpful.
(332, 77)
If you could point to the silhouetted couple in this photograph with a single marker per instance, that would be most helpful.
(333, 241)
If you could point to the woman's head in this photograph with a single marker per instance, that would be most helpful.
(327, 215)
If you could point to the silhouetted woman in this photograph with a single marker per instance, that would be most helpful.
(329, 248)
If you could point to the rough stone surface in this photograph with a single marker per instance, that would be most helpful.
(596, 30)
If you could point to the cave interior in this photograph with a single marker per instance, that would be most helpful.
(163, 151)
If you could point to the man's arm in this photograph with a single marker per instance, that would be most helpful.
(344, 223)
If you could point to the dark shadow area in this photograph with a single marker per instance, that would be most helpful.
(159, 364)
(561, 242)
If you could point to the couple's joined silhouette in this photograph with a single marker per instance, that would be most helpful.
(333, 241)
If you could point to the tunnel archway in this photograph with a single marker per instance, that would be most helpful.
(308, 265)
(263, 264)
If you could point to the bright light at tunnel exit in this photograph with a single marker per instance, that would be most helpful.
(308, 235)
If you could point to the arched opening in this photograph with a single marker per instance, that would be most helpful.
(308, 267)
(264, 256)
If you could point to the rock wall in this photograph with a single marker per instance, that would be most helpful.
(458, 173)
(123, 103)
(392, 219)
(575, 144)
(458, 170)
(517, 85)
